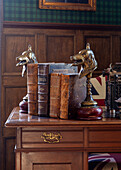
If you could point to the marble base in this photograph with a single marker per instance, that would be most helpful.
(89, 113)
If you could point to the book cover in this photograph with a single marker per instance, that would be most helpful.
(73, 93)
(32, 88)
(58, 67)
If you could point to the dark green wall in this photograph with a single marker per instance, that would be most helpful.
(107, 12)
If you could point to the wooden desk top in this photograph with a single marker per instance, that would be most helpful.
(24, 120)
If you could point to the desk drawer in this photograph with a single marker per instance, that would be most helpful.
(52, 138)
(51, 160)
(105, 137)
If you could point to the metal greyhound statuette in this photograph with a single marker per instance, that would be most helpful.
(25, 58)
(86, 59)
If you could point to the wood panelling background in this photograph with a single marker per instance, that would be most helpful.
(1, 25)
(55, 45)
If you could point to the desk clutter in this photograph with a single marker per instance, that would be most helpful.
(113, 90)
(54, 90)
(58, 90)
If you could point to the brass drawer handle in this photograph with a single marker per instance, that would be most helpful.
(51, 137)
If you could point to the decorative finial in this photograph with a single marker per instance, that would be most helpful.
(87, 46)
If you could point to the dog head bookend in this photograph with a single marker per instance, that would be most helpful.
(86, 59)
(25, 58)
(89, 109)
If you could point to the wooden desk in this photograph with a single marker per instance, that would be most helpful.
(52, 144)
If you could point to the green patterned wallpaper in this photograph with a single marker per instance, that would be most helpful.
(107, 12)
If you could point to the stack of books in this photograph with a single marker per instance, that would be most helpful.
(54, 90)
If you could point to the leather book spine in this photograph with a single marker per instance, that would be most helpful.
(43, 90)
(73, 93)
(55, 91)
(32, 88)
(64, 96)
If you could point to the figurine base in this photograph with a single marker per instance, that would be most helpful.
(23, 107)
(89, 113)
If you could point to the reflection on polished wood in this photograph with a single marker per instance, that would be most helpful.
(17, 119)
(78, 138)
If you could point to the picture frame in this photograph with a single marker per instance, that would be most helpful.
(85, 5)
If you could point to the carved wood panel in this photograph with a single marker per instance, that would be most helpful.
(59, 48)
(102, 50)
(116, 48)
(13, 90)
(14, 45)
(46, 160)
(10, 93)
(9, 156)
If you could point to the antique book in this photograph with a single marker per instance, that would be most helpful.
(55, 85)
(44, 71)
(62, 68)
(32, 88)
(73, 93)
(43, 89)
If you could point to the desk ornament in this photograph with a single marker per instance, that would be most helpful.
(25, 58)
(86, 60)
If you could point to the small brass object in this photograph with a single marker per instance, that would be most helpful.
(86, 59)
(51, 137)
(25, 58)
